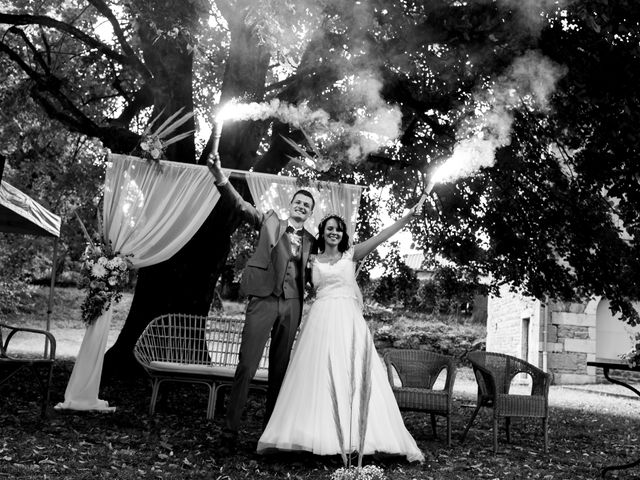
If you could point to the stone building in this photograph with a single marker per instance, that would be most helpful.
(560, 337)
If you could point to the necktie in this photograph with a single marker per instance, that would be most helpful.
(295, 238)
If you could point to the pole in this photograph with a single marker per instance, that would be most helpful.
(51, 288)
(546, 314)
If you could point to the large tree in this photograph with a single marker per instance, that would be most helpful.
(526, 79)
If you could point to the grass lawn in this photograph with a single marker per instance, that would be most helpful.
(587, 430)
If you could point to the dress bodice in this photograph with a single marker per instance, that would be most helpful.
(336, 280)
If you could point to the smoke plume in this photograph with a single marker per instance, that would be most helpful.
(371, 122)
(533, 13)
(531, 79)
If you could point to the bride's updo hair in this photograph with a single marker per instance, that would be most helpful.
(343, 246)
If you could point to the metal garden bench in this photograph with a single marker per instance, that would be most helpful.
(41, 366)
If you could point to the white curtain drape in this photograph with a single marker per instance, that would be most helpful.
(150, 212)
(275, 192)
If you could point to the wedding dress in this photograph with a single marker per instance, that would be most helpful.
(321, 399)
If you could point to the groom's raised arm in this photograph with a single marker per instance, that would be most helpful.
(244, 208)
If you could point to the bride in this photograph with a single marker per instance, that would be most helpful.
(336, 398)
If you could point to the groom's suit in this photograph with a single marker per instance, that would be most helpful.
(274, 280)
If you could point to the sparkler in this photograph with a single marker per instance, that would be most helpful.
(430, 185)
(418, 208)
(218, 122)
(217, 133)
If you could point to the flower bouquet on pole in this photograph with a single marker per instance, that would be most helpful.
(105, 274)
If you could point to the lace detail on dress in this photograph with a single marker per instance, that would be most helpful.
(336, 280)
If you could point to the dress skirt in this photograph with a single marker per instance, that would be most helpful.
(319, 406)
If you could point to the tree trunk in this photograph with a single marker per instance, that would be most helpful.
(185, 283)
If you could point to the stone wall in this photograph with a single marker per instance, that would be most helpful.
(572, 343)
(571, 334)
(506, 314)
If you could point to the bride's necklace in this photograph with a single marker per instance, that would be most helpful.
(330, 259)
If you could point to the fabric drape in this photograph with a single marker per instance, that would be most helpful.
(275, 192)
(150, 212)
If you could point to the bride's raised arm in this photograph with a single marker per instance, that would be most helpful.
(363, 249)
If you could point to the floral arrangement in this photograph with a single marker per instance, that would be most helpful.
(154, 142)
(368, 472)
(105, 275)
(632, 357)
(152, 146)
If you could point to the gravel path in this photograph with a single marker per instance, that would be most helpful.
(601, 396)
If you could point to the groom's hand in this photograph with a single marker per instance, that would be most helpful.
(416, 211)
(213, 162)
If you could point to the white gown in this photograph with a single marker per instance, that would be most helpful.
(324, 377)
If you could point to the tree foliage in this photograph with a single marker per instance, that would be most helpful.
(558, 212)
(398, 283)
(547, 88)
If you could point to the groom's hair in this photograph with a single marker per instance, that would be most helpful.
(306, 193)
(343, 246)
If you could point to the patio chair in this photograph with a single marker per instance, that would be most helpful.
(418, 371)
(180, 347)
(494, 373)
(41, 366)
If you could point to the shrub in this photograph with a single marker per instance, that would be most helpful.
(446, 335)
(398, 285)
(14, 295)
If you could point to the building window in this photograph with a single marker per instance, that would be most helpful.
(524, 354)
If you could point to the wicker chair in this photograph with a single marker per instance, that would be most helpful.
(40, 365)
(180, 347)
(494, 373)
(418, 371)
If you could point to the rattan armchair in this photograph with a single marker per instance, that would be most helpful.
(418, 371)
(494, 373)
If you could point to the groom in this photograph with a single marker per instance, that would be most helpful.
(274, 281)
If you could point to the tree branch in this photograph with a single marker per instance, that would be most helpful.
(50, 83)
(104, 9)
(36, 55)
(132, 61)
(55, 113)
(142, 98)
(45, 42)
(117, 138)
(228, 9)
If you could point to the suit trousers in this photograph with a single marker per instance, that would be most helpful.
(275, 316)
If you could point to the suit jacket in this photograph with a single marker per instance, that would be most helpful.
(258, 277)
